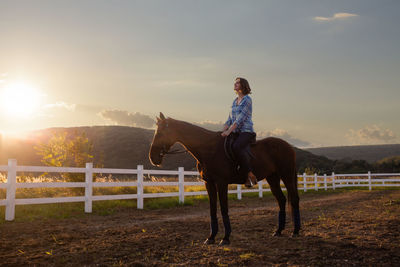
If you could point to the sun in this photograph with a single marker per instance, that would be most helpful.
(20, 100)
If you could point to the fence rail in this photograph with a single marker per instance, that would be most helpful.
(306, 182)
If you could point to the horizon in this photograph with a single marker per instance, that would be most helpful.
(25, 135)
(321, 75)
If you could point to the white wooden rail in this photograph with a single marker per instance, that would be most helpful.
(307, 182)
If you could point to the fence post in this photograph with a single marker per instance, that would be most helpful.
(304, 182)
(11, 188)
(325, 185)
(369, 181)
(181, 180)
(88, 187)
(239, 191)
(260, 188)
(140, 187)
(315, 182)
(333, 181)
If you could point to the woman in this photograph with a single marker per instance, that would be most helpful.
(239, 122)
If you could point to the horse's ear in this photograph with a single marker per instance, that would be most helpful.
(162, 116)
(158, 119)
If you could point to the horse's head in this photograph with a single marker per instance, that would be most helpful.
(162, 141)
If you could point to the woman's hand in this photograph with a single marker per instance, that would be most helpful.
(228, 131)
(225, 133)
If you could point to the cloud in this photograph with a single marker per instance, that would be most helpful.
(123, 117)
(61, 104)
(371, 135)
(336, 16)
(48, 110)
(211, 125)
(61, 108)
(281, 133)
(218, 125)
(87, 108)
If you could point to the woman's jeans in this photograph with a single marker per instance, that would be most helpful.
(243, 139)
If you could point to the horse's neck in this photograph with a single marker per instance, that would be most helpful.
(199, 141)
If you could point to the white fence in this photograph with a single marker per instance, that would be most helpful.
(306, 182)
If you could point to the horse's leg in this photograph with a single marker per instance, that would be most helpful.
(274, 183)
(293, 196)
(212, 195)
(223, 203)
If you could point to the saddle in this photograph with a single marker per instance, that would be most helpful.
(228, 148)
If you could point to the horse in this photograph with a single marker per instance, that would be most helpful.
(274, 159)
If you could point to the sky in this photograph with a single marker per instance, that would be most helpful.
(322, 73)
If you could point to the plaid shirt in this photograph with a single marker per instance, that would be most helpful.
(241, 114)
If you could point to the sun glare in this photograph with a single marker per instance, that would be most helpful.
(20, 100)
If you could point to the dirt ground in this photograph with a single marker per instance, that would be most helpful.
(346, 228)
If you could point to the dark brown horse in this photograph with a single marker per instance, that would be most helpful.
(274, 160)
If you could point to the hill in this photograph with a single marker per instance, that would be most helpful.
(120, 147)
(369, 153)
(123, 147)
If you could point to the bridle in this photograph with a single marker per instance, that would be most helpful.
(164, 151)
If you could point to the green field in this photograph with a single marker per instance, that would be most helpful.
(107, 207)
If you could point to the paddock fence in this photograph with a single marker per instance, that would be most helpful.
(305, 183)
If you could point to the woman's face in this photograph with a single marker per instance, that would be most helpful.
(237, 87)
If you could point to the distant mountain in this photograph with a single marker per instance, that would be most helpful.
(306, 159)
(369, 153)
(123, 147)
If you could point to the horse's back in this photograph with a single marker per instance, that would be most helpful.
(275, 143)
(279, 153)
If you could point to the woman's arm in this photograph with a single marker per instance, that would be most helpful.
(227, 123)
(227, 132)
(246, 111)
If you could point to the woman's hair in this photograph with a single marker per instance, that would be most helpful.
(244, 84)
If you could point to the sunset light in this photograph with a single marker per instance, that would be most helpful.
(20, 100)
(149, 133)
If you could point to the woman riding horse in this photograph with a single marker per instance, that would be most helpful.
(240, 123)
(274, 160)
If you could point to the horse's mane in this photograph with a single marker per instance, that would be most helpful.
(193, 126)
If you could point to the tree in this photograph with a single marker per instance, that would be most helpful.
(62, 150)
(54, 153)
(389, 164)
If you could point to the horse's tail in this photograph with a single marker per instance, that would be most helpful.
(294, 183)
(296, 180)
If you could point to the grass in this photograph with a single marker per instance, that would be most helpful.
(25, 213)
(108, 207)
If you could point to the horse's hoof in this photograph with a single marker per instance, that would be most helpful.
(295, 234)
(224, 242)
(277, 233)
(209, 241)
